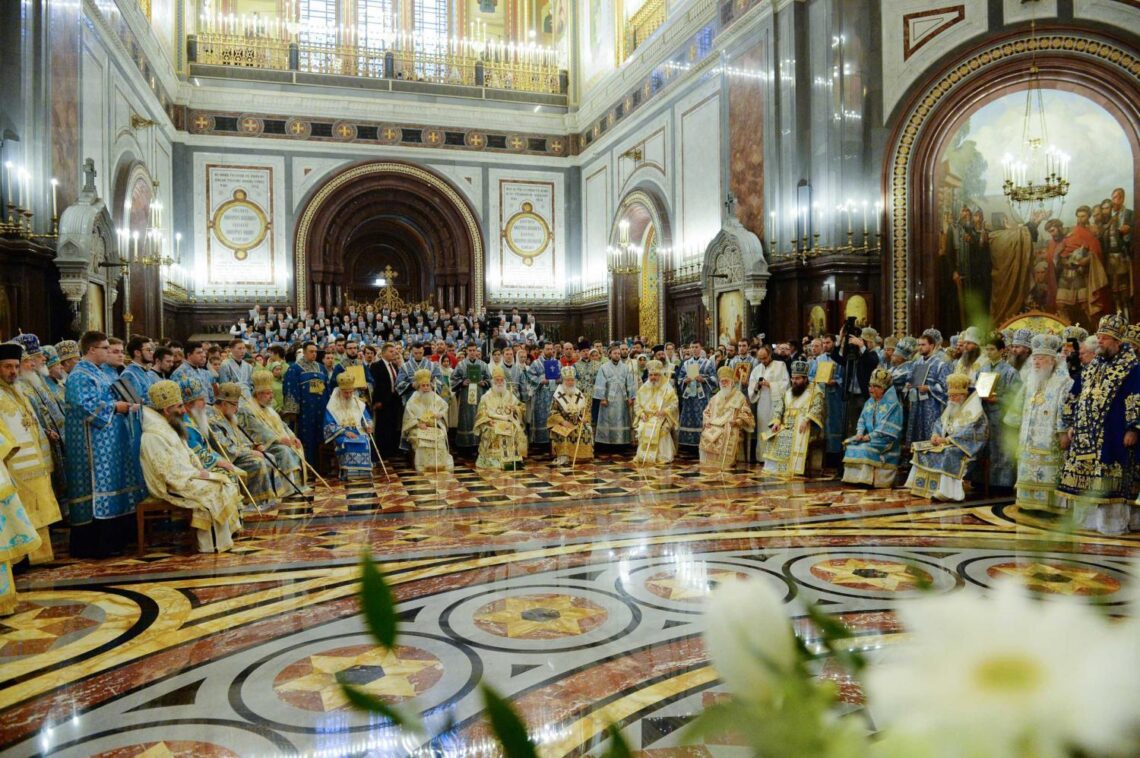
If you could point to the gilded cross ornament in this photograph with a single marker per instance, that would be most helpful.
(389, 134)
(556, 146)
(249, 124)
(201, 122)
(433, 136)
(476, 139)
(516, 142)
(345, 131)
(297, 127)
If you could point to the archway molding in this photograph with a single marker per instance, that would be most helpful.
(335, 209)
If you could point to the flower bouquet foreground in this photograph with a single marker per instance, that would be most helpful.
(998, 675)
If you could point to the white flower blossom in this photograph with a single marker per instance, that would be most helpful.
(749, 636)
(1008, 676)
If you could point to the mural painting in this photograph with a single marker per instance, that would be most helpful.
(1072, 257)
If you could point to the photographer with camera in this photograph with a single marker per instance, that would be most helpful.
(858, 357)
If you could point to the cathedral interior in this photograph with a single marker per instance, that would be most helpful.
(676, 171)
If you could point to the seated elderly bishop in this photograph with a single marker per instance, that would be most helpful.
(30, 463)
(425, 425)
(1038, 417)
(571, 433)
(940, 465)
(268, 433)
(499, 426)
(173, 472)
(873, 454)
(727, 418)
(348, 426)
(236, 448)
(797, 422)
(656, 416)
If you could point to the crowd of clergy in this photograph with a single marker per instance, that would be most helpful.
(89, 429)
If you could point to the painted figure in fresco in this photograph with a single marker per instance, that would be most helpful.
(1116, 241)
(968, 263)
(1083, 292)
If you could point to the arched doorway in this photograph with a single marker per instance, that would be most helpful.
(134, 195)
(379, 215)
(1069, 60)
(638, 266)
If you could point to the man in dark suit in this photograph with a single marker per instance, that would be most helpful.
(862, 350)
(387, 407)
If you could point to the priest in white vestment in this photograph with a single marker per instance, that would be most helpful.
(766, 385)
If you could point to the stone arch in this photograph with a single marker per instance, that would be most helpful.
(641, 302)
(369, 202)
(1072, 59)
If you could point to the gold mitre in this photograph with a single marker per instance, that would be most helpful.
(957, 383)
(422, 376)
(881, 378)
(165, 393)
(229, 392)
(656, 367)
(262, 381)
(497, 372)
(345, 381)
(725, 372)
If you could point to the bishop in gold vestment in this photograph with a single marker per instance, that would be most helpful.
(656, 417)
(18, 536)
(173, 472)
(571, 434)
(425, 425)
(499, 427)
(797, 421)
(726, 419)
(30, 465)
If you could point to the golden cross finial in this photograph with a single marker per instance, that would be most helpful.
(389, 274)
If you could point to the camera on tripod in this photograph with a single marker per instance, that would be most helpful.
(849, 351)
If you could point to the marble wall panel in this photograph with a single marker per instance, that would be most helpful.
(699, 191)
(64, 59)
(596, 220)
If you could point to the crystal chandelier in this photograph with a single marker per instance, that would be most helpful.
(1041, 173)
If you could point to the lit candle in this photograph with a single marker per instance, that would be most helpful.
(25, 190)
(178, 245)
(878, 217)
(848, 208)
(9, 169)
(54, 190)
(135, 250)
(864, 218)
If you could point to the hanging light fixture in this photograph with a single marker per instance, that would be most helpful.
(1041, 173)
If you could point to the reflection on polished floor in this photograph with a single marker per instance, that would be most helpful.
(576, 594)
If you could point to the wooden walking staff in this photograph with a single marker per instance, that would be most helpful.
(241, 483)
(581, 431)
(379, 457)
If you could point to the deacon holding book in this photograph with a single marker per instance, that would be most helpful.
(469, 381)
(542, 377)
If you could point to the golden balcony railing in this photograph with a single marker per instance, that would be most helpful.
(487, 65)
(642, 24)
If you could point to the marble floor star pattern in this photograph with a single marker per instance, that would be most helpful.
(577, 594)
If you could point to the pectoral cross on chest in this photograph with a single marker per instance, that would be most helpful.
(1097, 394)
(1038, 397)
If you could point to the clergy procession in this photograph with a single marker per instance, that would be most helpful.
(90, 430)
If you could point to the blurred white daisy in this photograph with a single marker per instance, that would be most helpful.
(1007, 676)
(749, 636)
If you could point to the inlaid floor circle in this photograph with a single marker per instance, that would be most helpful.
(299, 688)
(1048, 575)
(314, 682)
(683, 582)
(540, 617)
(870, 575)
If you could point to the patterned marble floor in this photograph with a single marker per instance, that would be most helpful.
(576, 594)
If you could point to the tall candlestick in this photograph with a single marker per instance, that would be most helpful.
(135, 251)
(54, 191)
